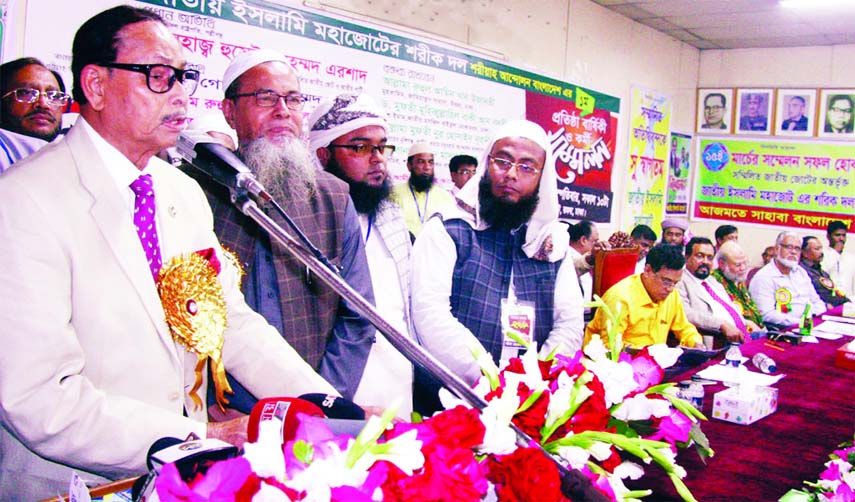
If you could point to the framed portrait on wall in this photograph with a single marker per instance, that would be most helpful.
(715, 111)
(795, 112)
(836, 113)
(754, 111)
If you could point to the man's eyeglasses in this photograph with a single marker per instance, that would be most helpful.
(30, 96)
(504, 165)
(847, 111)
(668, 283)
(714, 108)
(791, 247)
(364, 150)
(268, 99)
(161, 77)
(465, 172)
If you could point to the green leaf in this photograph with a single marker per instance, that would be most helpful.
(303, 451)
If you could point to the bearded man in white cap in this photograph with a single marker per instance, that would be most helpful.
(674, 231)
(496, 262)
(420, 197)
(264, 105)
(349, 137)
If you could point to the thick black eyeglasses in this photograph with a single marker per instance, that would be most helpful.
(161, 77)
(364, 150)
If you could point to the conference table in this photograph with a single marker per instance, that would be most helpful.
(764, 460)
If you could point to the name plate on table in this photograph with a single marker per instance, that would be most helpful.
(845, 357)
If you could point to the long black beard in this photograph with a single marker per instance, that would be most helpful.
(366, 198)
(504, 215)
(421, 182)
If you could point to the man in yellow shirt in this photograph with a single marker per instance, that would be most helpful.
(648, 304)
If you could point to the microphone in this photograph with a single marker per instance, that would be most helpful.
(219, 163)
(277, 416)
(191, 458)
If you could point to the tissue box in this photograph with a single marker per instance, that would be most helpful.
(744, 405)
(845, 357)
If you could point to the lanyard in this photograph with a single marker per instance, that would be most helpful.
(416, 202)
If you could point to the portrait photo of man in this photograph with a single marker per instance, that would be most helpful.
(795, 112)
(754, 111)
(838, 113)
(713, 110)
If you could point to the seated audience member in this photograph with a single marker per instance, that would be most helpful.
(645, 238)
(768, 255)
(31, 104)
(95, 365)
(782, 288)
(674, 231)
(461, 168)
(648, 304)
(731, 273)
(822, 283)
(725, 233)
(705, 301)
(348, 135)
(500, 257)
(839, 265)
(584, 239)
(420, 197)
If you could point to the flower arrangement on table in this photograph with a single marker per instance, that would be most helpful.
(835, 484)
(594, 411)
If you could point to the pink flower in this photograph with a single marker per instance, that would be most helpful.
(645, 370)
(674, 428)
(448, 474)
(228, 480)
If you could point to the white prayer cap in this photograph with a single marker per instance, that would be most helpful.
(246, 60)
(420, 147)
(213, 122)
(336, 116)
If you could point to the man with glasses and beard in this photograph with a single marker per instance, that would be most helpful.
(497, 261)
(782, 288)
(732, 273)
(348, 134)
(705, 301)
(420, 197)
(264, 105)
(648, 304)
(33, 98)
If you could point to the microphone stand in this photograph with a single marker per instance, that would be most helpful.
(573, 481)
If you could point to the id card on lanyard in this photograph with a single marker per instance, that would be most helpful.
(518, 317)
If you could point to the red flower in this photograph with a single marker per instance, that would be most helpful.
(448, 474)
(532, 419)
(525, 475)
(461, 427)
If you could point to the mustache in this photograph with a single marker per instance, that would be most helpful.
(174, 116)
(50, 116)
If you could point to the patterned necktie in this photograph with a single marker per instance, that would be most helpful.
(737, 319)
(145, 223)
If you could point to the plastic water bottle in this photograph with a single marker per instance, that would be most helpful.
(764, 363)
(692, 392)
(733, 356)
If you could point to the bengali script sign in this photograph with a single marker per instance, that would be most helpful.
(780, 183)
(583, 145)
(650, 126)
(679, 161)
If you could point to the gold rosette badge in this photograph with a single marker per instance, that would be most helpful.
(195, 309)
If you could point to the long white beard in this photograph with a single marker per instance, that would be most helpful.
(734, 276)
(286, 169)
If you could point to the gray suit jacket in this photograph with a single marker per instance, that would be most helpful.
(89, 374)
(698, 305)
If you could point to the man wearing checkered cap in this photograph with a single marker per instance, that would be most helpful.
(348, 135)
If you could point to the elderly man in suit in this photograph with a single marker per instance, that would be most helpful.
(90, 372)
(706, 303)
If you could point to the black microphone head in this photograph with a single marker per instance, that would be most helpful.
(335, 407)
(160, 444)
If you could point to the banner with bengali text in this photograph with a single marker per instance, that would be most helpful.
(429, 90)
(778, 183)
(650, 126)
(679, 166)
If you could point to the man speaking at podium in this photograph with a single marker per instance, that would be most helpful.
(93, 368)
